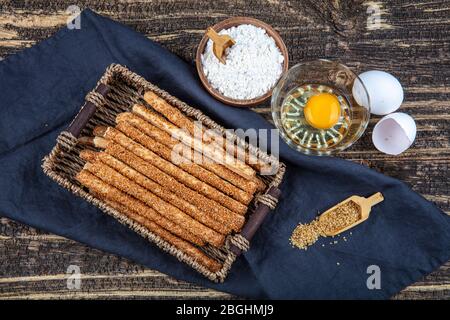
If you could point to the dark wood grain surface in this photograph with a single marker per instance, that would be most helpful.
(412, 41)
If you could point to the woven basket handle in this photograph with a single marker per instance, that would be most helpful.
(86, 112)
(255, 220)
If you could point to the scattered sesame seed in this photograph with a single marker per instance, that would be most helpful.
(305, 235)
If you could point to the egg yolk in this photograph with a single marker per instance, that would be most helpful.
(322, 111)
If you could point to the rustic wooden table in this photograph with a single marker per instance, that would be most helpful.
(410, 39)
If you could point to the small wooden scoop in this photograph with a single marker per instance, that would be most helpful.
(364, 204)
(220, 43)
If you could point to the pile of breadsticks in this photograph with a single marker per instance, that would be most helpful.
(187, 203)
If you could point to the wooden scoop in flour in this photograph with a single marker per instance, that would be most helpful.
(220, 43)
(361, 204)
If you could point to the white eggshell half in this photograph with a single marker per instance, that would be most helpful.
(394, 133)
(385, 92)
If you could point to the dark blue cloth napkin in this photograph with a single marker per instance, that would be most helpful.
(41, 90)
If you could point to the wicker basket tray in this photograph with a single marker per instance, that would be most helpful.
(117, 91)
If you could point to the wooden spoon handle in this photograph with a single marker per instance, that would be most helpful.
(375, 198)
(212, 34)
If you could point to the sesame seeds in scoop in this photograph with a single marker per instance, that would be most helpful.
(253, 65)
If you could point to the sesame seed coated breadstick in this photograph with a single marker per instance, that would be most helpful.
(173, 114)
(165, 209)
(99, 131)
(163, 137)
(260, 185)
(97, 185)
(155, 188)
(171, 169)
(209, 150)
(198, 173)
(89, 155)
(180, 244)
(141, 159)
(227, 190)
(229, 219)
(182, 121)
(98, 142)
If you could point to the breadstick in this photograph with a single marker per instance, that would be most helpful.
(167, 210)
(100, 142)
(88, 155)
(173, 114)
(163, 137)
(99, 131)
(208, 150)
(185, 247)
(192, 168)
(176, 172)
(163, 193)
(139, 158)
(182, 121)
(98, 186)
(97, 141)
(228, 218)
(240, 152)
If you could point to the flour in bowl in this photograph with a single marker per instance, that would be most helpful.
(253, 65)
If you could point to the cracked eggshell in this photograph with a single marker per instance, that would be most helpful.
(385, 92)
(394, 133)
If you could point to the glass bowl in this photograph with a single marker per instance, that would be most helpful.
(328, 77)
